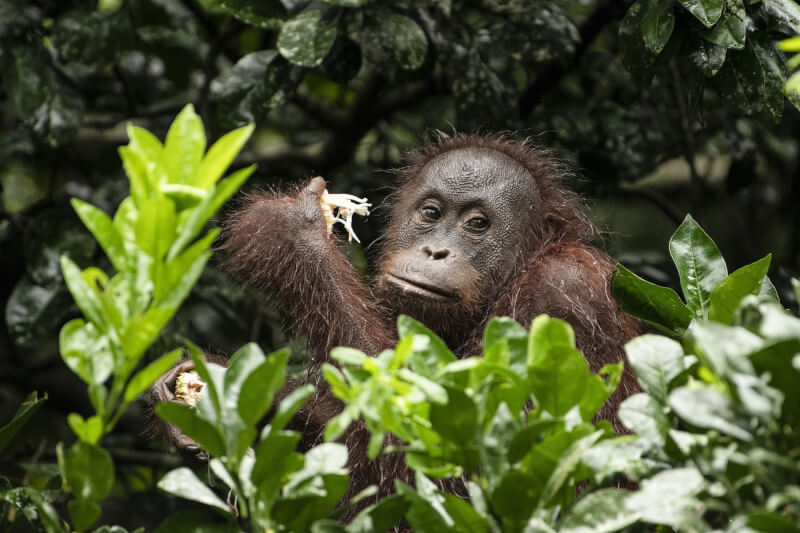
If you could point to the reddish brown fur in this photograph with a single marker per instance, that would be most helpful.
(276, 246)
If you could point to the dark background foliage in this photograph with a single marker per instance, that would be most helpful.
(662, 107)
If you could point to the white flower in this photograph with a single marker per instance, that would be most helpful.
(189, 388)
(341, 208)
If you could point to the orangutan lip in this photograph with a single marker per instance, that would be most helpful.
(420, 289)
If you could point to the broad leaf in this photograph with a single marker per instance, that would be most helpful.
(183, 483)
(728, 294)
(700, 265)
(656, 305)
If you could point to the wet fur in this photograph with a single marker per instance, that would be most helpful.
(557, 272)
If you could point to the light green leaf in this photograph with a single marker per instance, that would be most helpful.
(656, 360)
(184, 147)
(86, 298)
(700, 265)
(669, 498)
(155, 227)
(603, 511)
(643, 415)
(183, 483)
(290, 405)
(85, 351)
(707, 408)
(102, 228)
(221, 155)
(88, 431)
(200, 214)
(143, 379)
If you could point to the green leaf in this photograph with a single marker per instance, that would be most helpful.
(546, 335)
(637, 58)
(657, 24)
(669, 498)
(259, 388)
(559, 380)
(349, 3)
(86, 298)
(85, 351)
(707, 408)
(257, 82)
(38, 94)
(196, 428)
(183, 483)
(706, 11)
(728, 294)
(266, 14)
(199, 215)
(306, 39)
(103, 230)
(643, 415)
(656, 305)
(88, 431)
(276, 444)
(516, 495)
(24, 412)
(184, 147)
(708, 57)
(84, 513)
(603, 511)
(700, 265)
(143, 379)
(143, 330)
(155, 227)
(221, 155)
(457, 420)
(429, 353)
(656, 361)
(348, 356)
(381, 516)
(290, 405)
(87, 470)
(729, 32)
(394, 38)
(567, 464)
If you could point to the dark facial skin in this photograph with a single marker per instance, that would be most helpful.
(457, 232)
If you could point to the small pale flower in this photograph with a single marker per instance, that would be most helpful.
(189, 388)
(341, 208)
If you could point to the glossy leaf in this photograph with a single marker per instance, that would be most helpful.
(657, 24)
(221, 155)
(656, 361)
(706, 11)
(306, 39)
(656, 305)
(259, 387)
(196, 428)
(700, 265)
(707, 408)
(184, 147)
(183, 483)
(143, 379)
(730, 292)
(398, 39)
(87, 470)
(602, 511)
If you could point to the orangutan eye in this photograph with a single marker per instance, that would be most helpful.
(431, 213)
(478, 224)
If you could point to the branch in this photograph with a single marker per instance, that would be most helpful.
(653, 197)
(554, 72)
